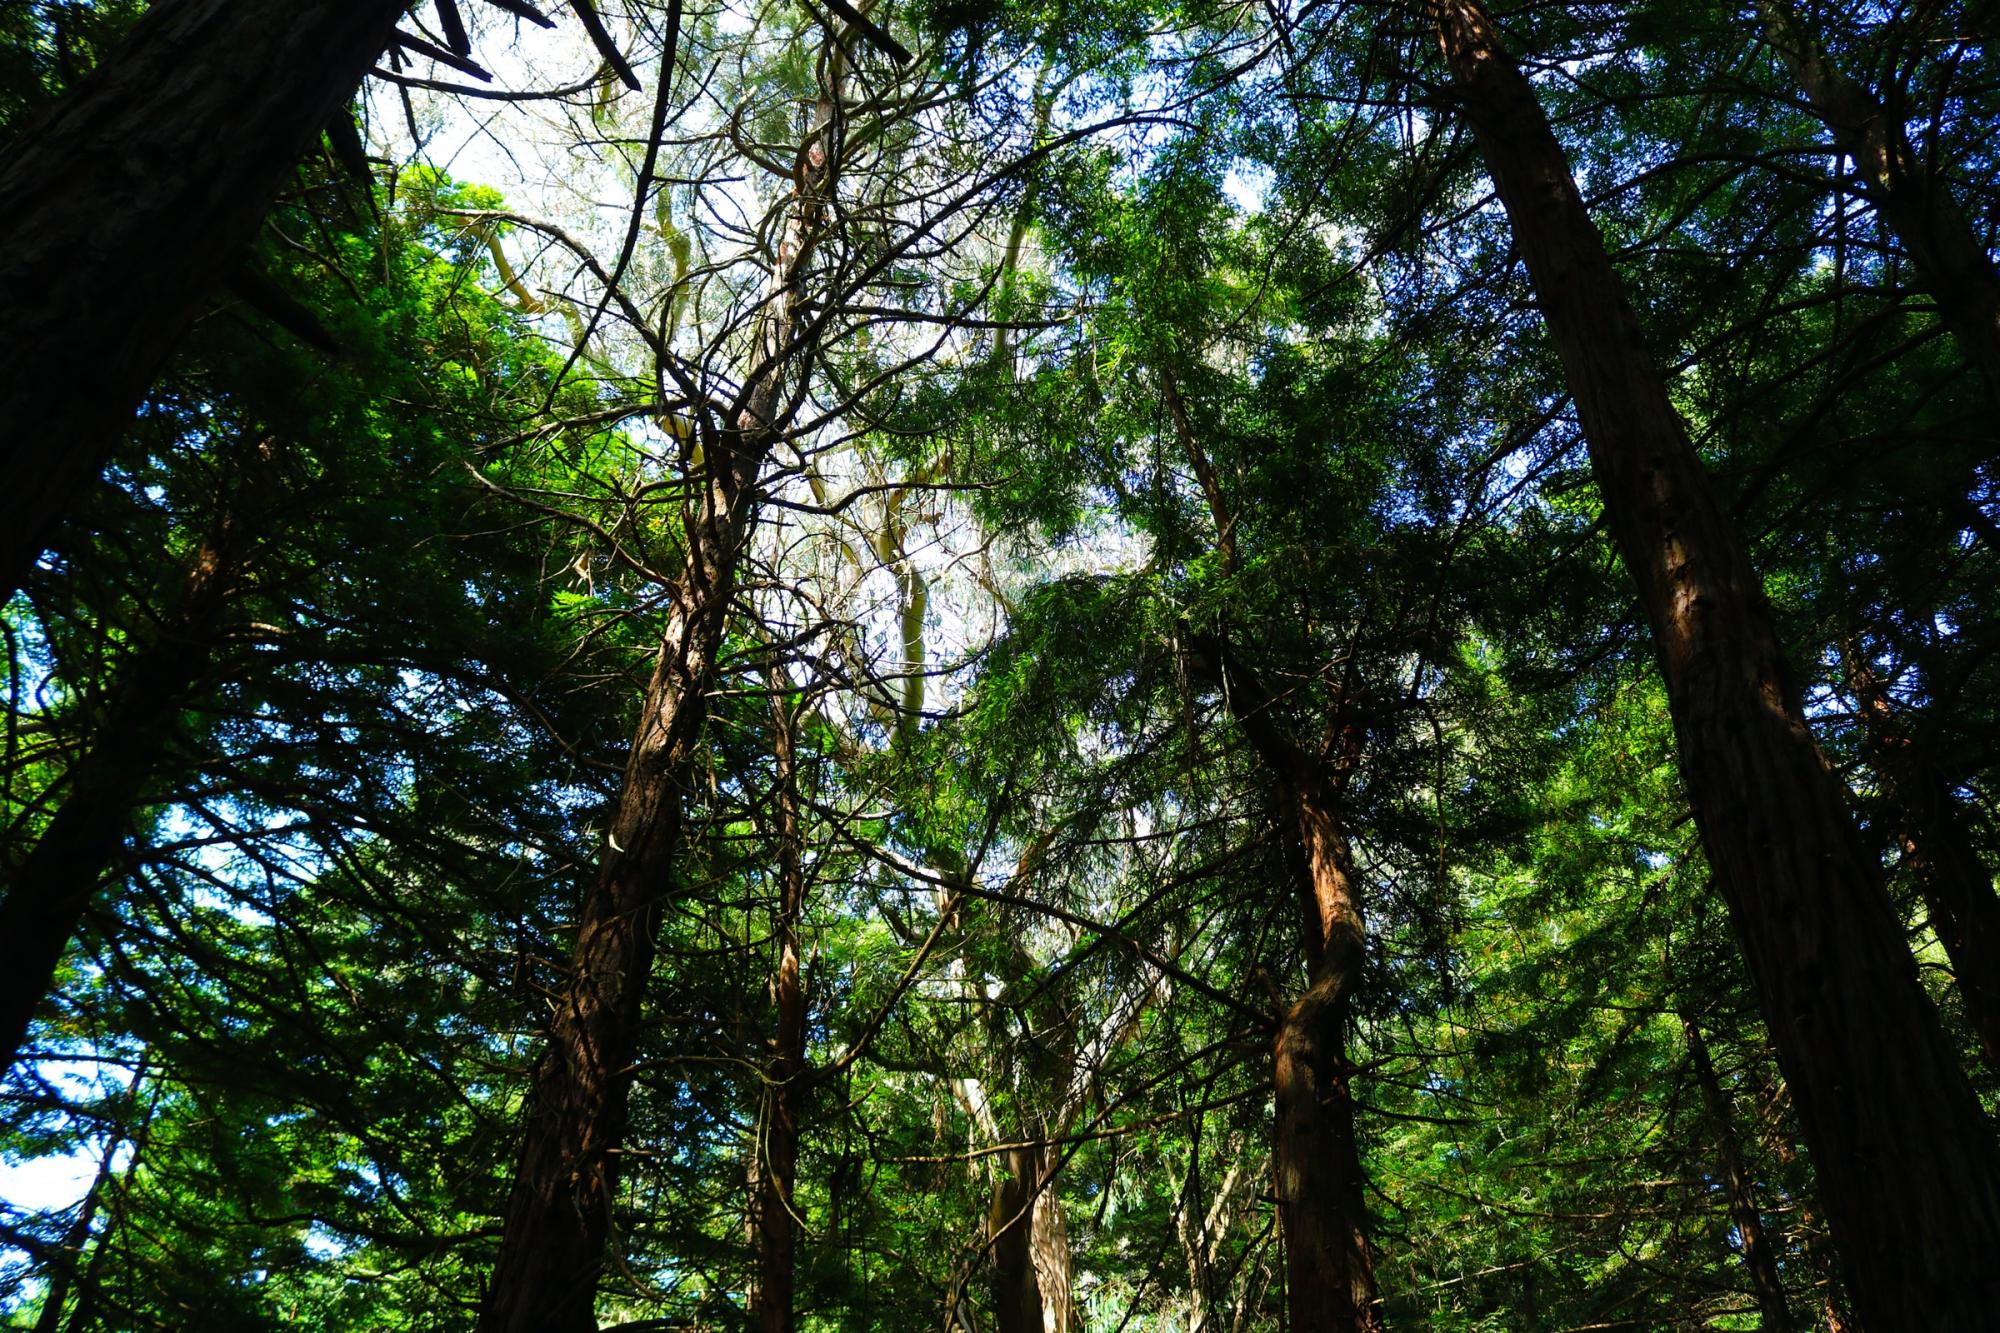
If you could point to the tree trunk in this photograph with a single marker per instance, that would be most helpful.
(1760, 1257)
(1911, 199)
(778, 1146)
(1956, 885)
(1017, 1296)
(1906, 1159)
(559, 1214)
(1330, 1276)
(49, 888)
(131, 200)
(1329, 1272)
(63, 1270)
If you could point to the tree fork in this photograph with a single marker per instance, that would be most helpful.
(129, 202)
(1907, 1162)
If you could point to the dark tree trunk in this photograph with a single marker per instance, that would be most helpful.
(560, 1211)
(1956, 884)
(778, 1145)
(131, 200)
(1760, 1257)
(559, 1214)
(1912, 200)
(1906, 1160)
(69, 1258)
(1329, 1271)
(50, 887)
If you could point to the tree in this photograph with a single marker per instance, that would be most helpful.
(1893, 1124)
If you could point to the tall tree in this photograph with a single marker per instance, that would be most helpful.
(1906, 1158)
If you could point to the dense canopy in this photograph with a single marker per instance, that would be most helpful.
(1316, 665)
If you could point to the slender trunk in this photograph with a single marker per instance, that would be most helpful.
(784, 1090)
(1330, 1274)
(1906, 1160)
(1956, 885)
(1910, 198)
(1812, 1235)
(131, 200)
(558, 1216)
(50, 887)
(1760, 1256)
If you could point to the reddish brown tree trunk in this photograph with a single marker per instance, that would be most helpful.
(129, 202)
(1322, 1210)
(1906, 1160)
(1760, 1257)
(1911, 199)
(559, 1214)
(778, 1146)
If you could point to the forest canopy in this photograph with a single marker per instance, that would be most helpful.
(1312, 666)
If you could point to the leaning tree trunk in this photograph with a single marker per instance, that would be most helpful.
(777, 1146)
(1908, 195)
(50, 887)
(1906, 1160)
(129, 201)
(559, 1213)
(1760, 1256)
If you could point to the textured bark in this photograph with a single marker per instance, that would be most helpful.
(1017, 1288)
(1912, 200)
(1956, 883)
(784, 1091)
(1329, 1271)
(1907, 1163)
(1330, 1276)
(50, 887)
(128, 203)
(1760, 1256)
(559, 1213)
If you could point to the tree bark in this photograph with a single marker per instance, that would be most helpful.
(1955, 882)
(1760, 1257)
(785, 1086)
(1017, 1288)
(1329, 1271)
(1912, 200)
(559, 1213)
(1905, 1157)
(128, 203)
